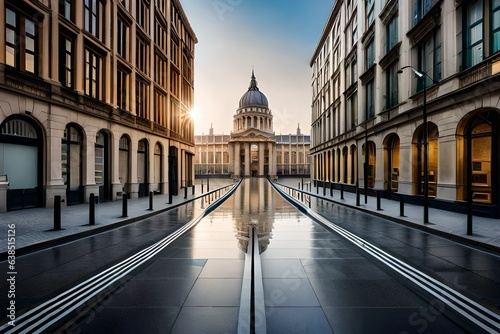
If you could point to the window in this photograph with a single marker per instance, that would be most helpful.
(142, 53)
(370, 12)
(93, 74)
(370, 100)
(174, 50)
(121, 88)
(143, 14)
(370, 54)
(420, 8)
(21, 44)
(174, 82)
(429, 59)
(495, 22)
(392, 85)
(354, 30)
(94, 17)
(65, 9)
(66, 60)
(141, 101)
(474, 39)
(121, 39)
(160, 71)
(160, 109)
(99, 159)
(392, 33)
(352, 110)
(161, 36)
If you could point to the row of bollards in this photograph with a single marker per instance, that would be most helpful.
(92, 203)
(292, 191)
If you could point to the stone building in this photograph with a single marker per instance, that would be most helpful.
(404, 87)
(94, 98)
(252, 148)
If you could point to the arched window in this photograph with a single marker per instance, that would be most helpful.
(142, 167)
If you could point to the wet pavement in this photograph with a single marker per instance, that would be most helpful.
(315, 281)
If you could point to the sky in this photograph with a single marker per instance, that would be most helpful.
(275, 38)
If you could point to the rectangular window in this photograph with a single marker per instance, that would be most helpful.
(11, 38)
(121, 88)
(174, 82)
(495, 24)
(21, 42)
(370, 12)
(142, 55)
(142, 98)
(65, 9)
(93, 74)
(370, 100)
(174, 50)
(429, 59)
(420, 8)
(94, 17)
(160, 108)
(160, 71)
(370, 54)
(392, 85)
(121, 39)
(143, 14)
(474, 41)
(66, 60)
(392, 33)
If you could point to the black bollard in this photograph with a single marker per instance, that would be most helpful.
(317, 189)
(208, 185)
(401, 206)
(357, 196)
(324, 188)
(341, 191)
(124, 205)
(92, 209)
(150, 200)
(331, 189)
(378, 200)
(185, 192)
(193, 190)
(57, 212)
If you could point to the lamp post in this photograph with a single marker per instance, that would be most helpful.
(422, 76)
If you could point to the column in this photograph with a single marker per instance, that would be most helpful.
(261, 159)
(247, 158)
(237, 160)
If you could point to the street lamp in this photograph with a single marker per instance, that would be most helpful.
(422, 76)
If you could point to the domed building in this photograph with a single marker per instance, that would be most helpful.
(252, 146)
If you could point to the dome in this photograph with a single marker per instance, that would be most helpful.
(253, 97)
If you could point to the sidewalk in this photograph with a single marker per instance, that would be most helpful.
(34, 227)
(486, 231)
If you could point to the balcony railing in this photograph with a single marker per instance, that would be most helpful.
(475, 73)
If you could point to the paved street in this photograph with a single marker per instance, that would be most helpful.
(316, 277)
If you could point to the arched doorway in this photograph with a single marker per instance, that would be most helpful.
(124, 162)
(158, 164)
(481, 159)
(391, 162)
(370, 163)
(353, 164)
(21, 149)
(172, 170)
(142, 167)
(432, 161)
(103, 165)
(72, 163)
(254, 158)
